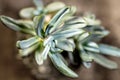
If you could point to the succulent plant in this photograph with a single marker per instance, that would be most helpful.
(64, 32)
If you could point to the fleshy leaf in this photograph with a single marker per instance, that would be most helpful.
(57, 19)
(64, 44)
(11, 23)
(38, 4)
(92, 47)
(103, 61)
(17, 25)
(38, 57)
(39, 21)
(109, 50)
(53, 7)
(68, 33)
(60, 65)
(27, 43)
(41, 54)
(27, 51)
(27, 13)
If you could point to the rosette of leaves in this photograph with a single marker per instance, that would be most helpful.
(90, 48)
(50, 39)
(50, 9)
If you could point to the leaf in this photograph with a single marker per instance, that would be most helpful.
(54, 48)
(27, 13)
(27, 51)
(86, 58)
(41, 54)
(87, 64)
(76, 23)
(46, 51)
(9, 22)
(92, 47)
(109, 50)
(68, 33)
(104, 61)
(27, 23)
(27, 43)
(17, 25)
(56, 20)
(39, 21)
(38, 4)
(38, 57)
(83, 36)
(60, 65)
(64, 44)
(52, 7)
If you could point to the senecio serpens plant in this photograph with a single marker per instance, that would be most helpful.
(55, 29)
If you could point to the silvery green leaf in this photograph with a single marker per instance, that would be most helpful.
(109, 50)
(87, 64)
(86, 57)
(9, 22)
(104, 61)
(16, 25)
(90, 19)
(27, 23)
(64, 44)
(27, 51)
(38, 57)
(63, 59)
(92, 46)
(38, 4)
(41, 54)
(68, 33)
(46, 51)
(56, 20)
(40, 25)
(48, 40)
(60, 65)
(54, 48)
(83, 36)
(53, 7)
(27, 13)
(78, 22)
(27, 43)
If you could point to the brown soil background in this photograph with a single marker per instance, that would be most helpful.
(108, 11)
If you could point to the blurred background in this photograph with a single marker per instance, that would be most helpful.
(108, 11)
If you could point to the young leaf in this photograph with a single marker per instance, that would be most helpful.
(60, 65)
(103, 61)
(109, 50)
